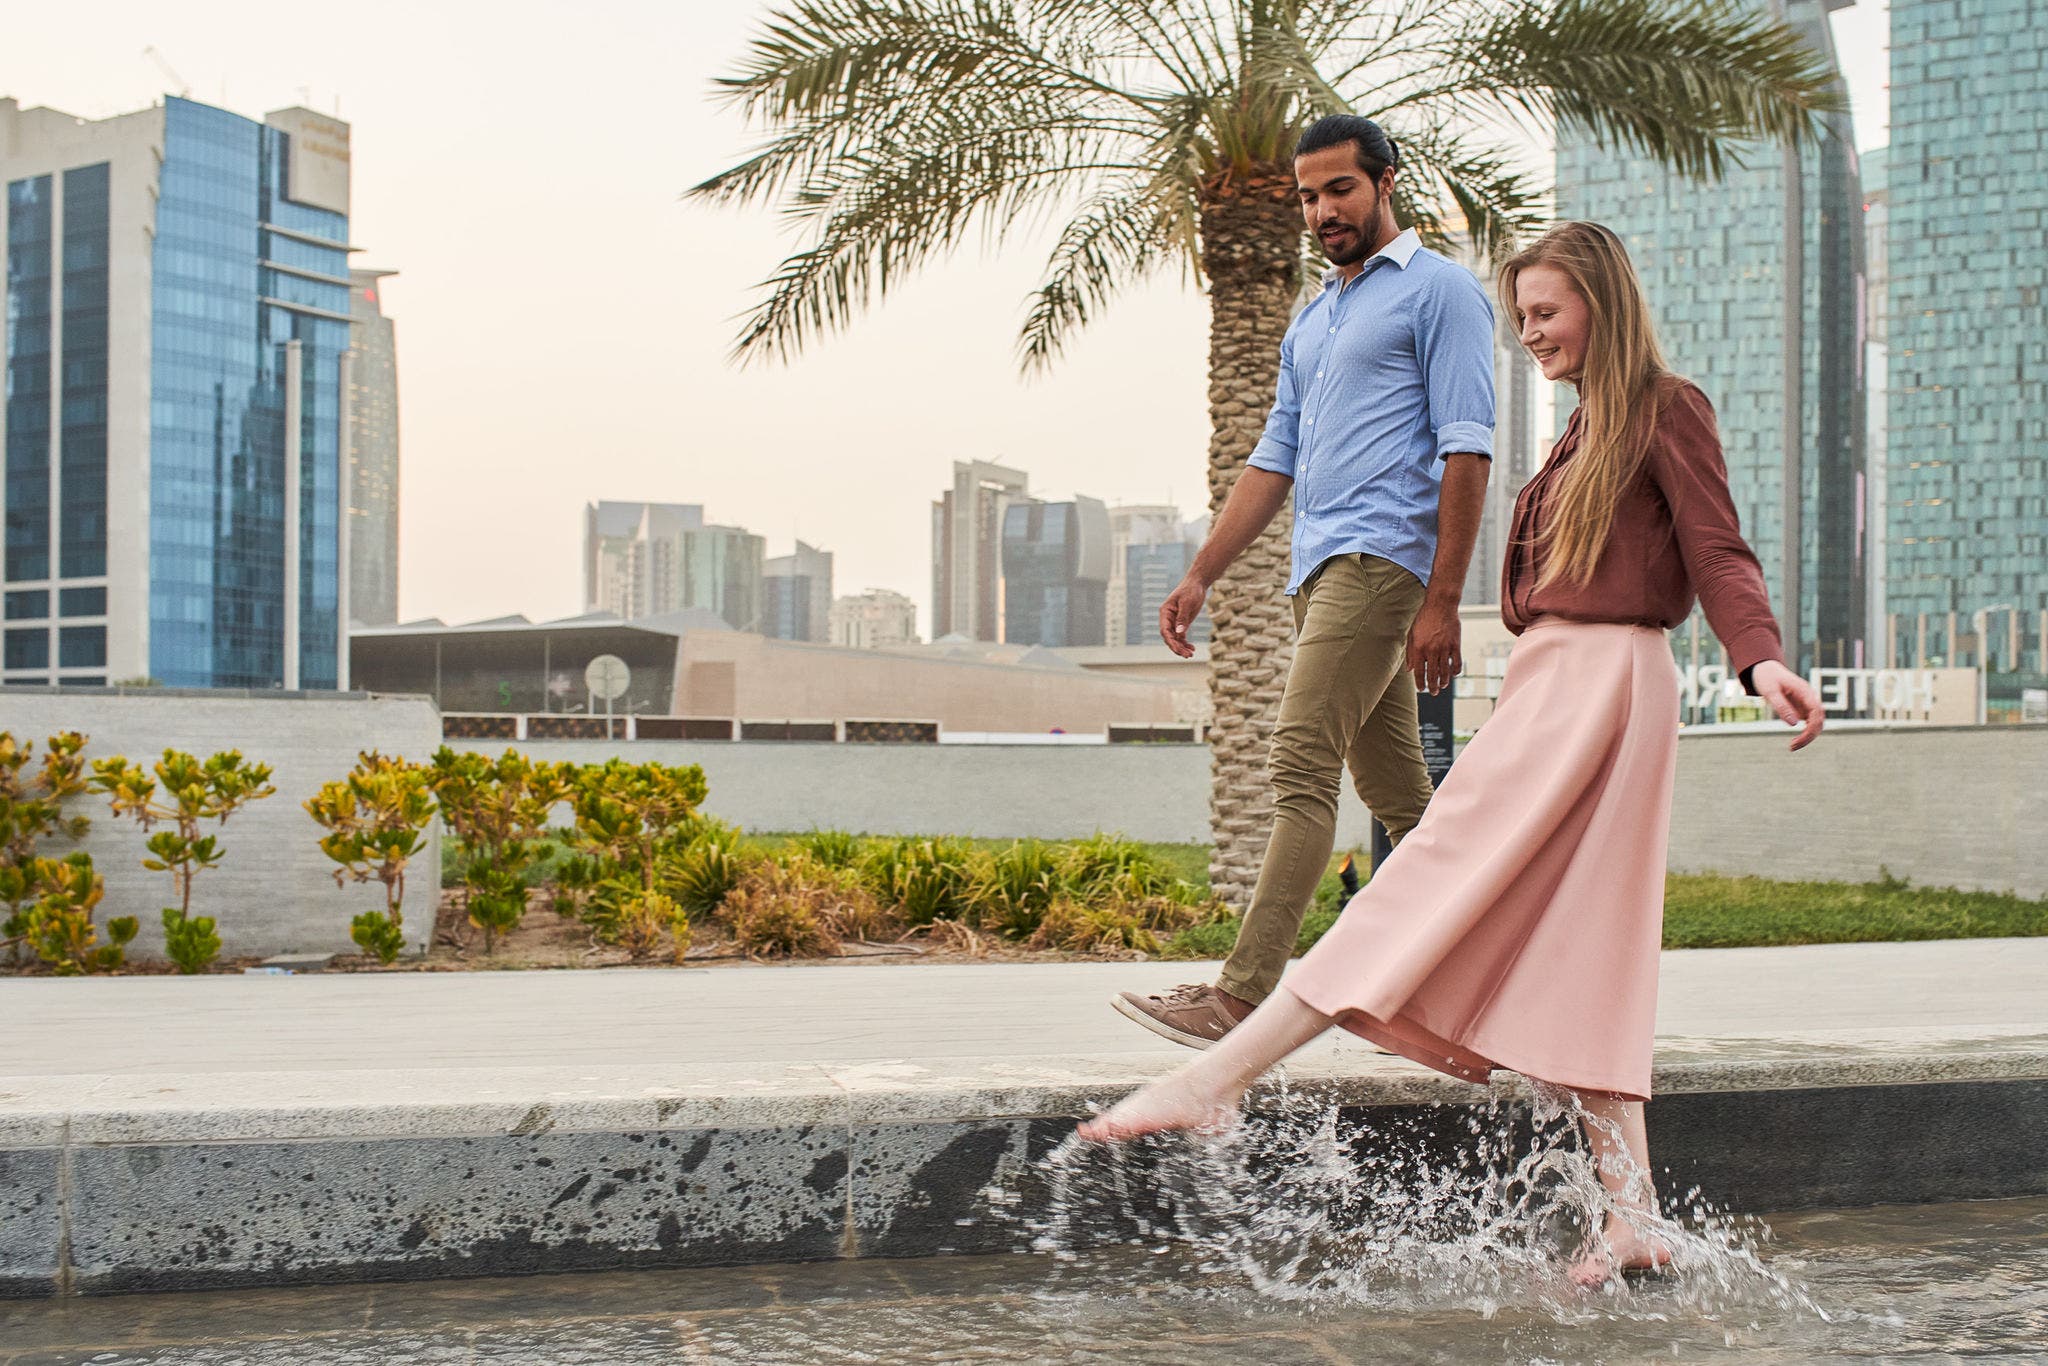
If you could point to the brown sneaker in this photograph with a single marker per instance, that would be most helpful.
(1196, 1014)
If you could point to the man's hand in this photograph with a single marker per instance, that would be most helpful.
(1434, 653)
(1178, 613)
(1792, 698)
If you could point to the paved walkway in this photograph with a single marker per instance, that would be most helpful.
(886, 1012)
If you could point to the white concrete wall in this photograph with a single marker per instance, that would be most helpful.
(274, 891)
(1941, 807)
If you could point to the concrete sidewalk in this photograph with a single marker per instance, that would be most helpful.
(170, 1132)
(887, 1011)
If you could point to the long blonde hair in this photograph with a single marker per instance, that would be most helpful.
(1621, 386)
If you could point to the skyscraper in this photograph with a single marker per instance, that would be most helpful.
(1967, 447)
(372, 455)
(648, 559)
(796, 595)
(967, 549)
(1755, 283)
(176, 347)
(1055, 573)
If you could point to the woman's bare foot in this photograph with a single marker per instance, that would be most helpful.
(1619, 1249)
(1166, 1106)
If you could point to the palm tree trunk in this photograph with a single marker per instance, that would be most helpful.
(1251, 243)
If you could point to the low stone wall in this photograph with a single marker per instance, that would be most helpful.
(1960, 807)
(1940, 806)
(274, 891)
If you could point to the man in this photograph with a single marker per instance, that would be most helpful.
(1383, 431)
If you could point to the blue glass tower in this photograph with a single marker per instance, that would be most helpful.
(1967, 447)
(177, 354)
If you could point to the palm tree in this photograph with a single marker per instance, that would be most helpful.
(1165, 130)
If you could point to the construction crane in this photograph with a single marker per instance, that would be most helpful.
(184, 90)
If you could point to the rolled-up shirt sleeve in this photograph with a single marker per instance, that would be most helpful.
(1282, 439)
(1454, 343)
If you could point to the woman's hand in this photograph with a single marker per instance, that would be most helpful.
(1792, 697)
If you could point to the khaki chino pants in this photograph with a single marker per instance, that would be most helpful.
(1349, 702)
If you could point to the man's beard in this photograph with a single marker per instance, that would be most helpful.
(1355, 245)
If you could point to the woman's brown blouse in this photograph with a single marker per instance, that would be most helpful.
(1675, 535)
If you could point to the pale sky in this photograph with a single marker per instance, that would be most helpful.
(563, 317)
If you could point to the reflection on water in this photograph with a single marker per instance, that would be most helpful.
(1920, 1283)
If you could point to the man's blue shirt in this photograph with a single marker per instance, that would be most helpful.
(1380, 379)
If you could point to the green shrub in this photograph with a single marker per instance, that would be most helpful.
(925, 879)
(378, 935)
(58, 924)
(700, 877)
(376, 821)
(1109, 867)
(32, 810)
(194, 791)
(498, 809)
(1012, 888)
(831, 848)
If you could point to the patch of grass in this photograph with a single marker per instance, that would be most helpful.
(1706, 911)
(1710, 911)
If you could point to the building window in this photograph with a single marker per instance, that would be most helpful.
(28, 649)
(26, 604)
(83, 602)
(82, 647)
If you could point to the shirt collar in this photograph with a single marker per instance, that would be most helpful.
(1400, 251)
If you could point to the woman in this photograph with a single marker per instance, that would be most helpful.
(1519, 923)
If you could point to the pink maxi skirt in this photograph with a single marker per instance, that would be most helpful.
(1518, 924)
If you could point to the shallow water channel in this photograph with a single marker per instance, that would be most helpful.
(1901, 1283)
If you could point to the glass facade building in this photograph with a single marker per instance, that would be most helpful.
(1756, 287)
(220, 442)
(1967, 441)
(1151, 572)
(1055, 585)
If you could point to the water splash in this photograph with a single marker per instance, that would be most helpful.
(1480, 1209)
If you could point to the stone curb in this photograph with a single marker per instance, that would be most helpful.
(111, 1184)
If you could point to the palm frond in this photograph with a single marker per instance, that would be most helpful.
(876, 214)
(1498, 202)
(1687, 82)
(1117, 239)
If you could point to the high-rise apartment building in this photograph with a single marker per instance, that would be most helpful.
(870, 620)
(796, 595)
(372, 455)
(1755, 284)
(648, 559)
(177, 343)
(1150, 550)
(1967, 439)
(967, 549)
(1055, 573)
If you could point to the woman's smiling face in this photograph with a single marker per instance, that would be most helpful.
(1555, 322)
